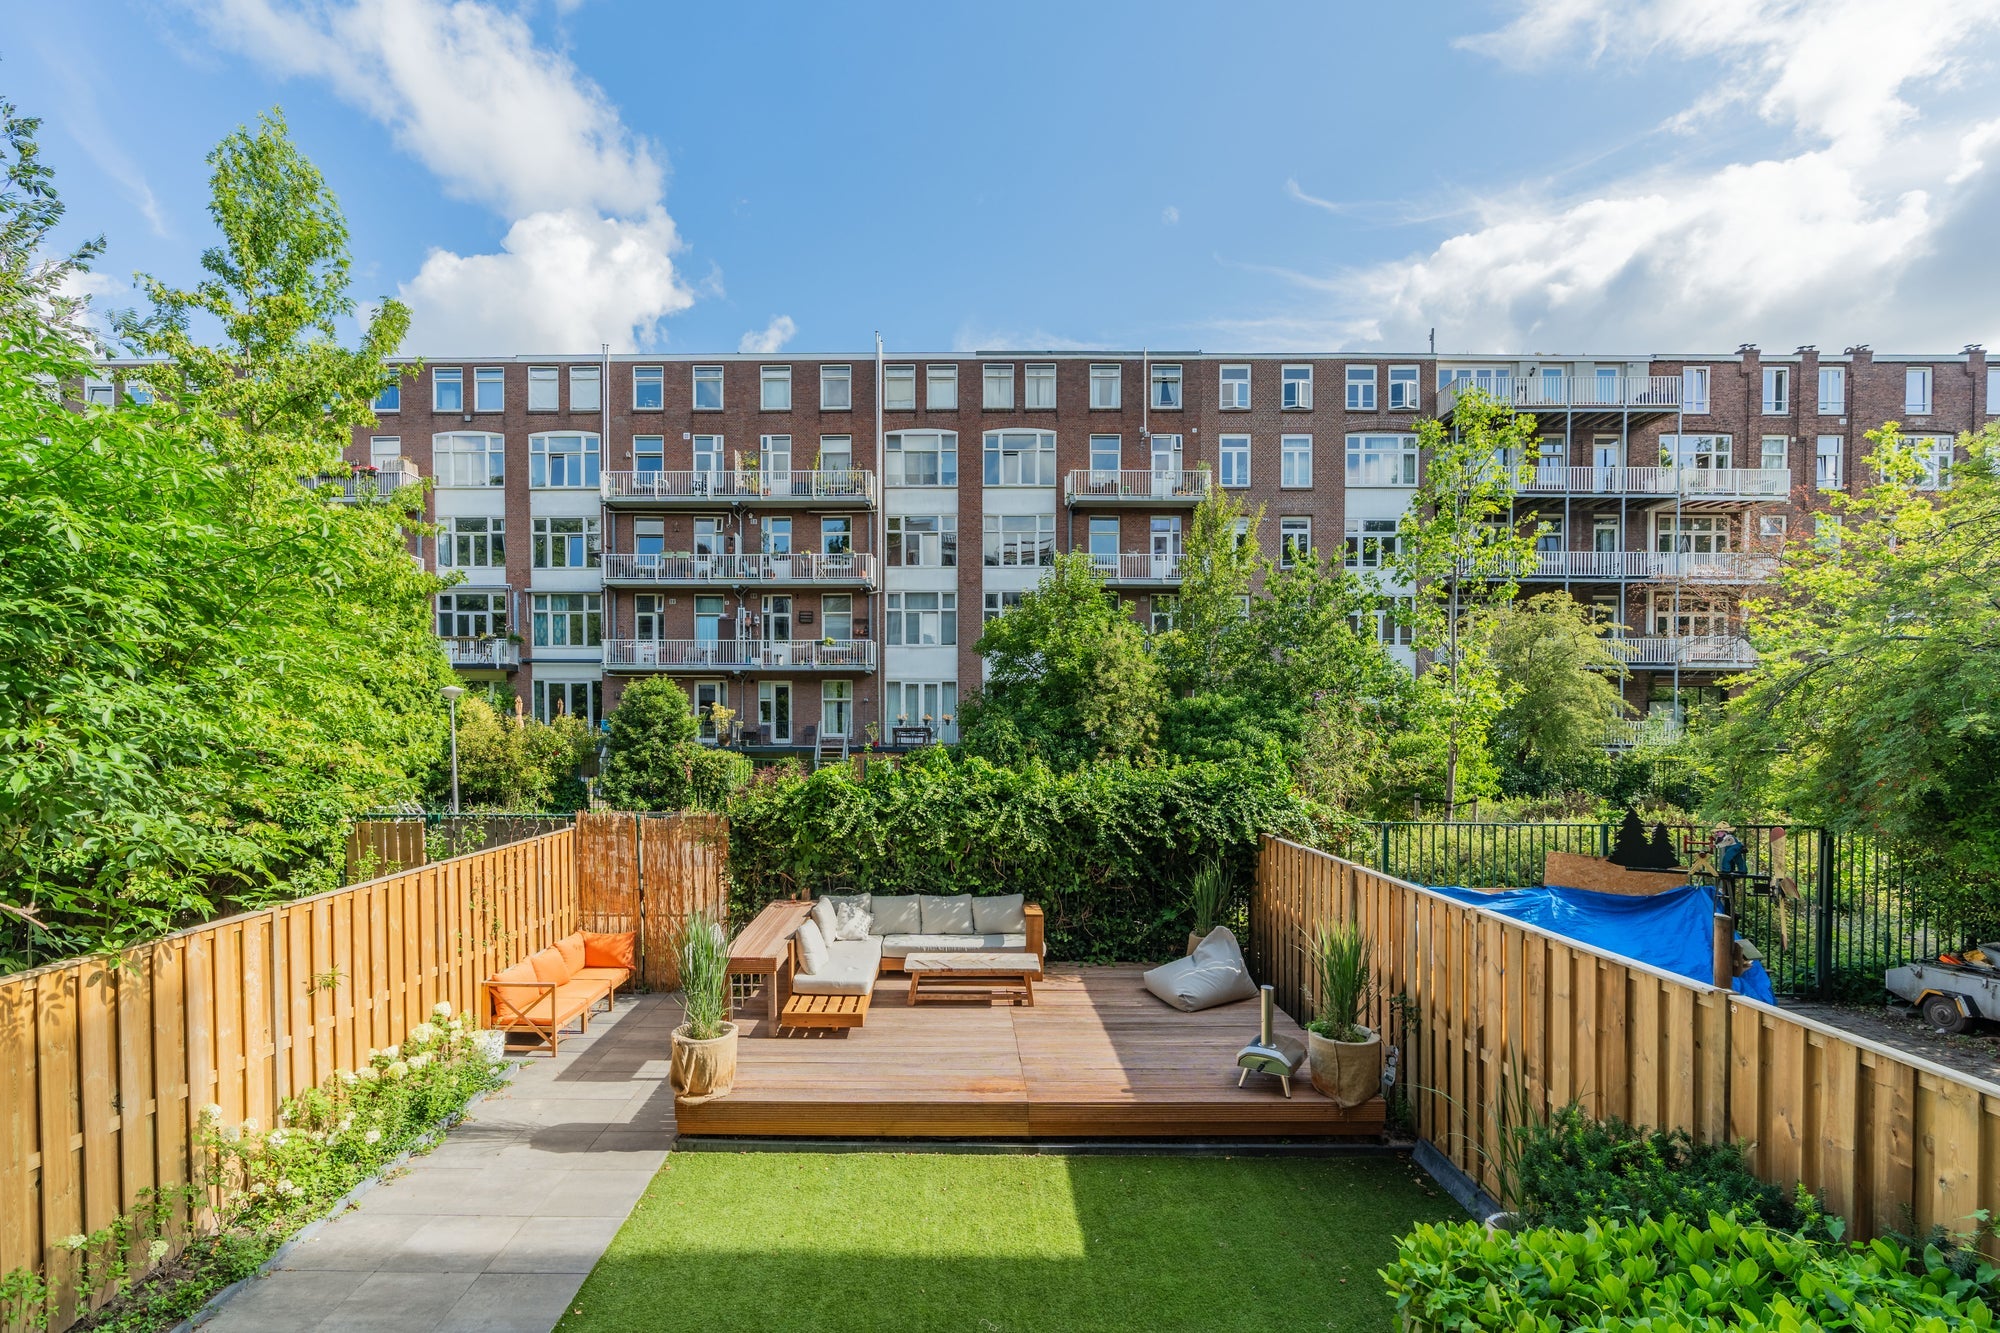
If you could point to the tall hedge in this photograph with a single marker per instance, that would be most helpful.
(1106, 850)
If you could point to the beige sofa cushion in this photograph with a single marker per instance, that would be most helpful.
(947, 915)
(895, 946)
(1000, 914)
(897, 914)
(812, 947)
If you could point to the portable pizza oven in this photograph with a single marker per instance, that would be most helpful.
(1270, 1053)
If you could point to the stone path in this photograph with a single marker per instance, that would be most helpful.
(496, 1229)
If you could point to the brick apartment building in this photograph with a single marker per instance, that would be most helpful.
(814, 542)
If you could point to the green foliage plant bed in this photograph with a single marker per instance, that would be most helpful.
(1671, 1275)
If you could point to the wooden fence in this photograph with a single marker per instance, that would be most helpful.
(1495, 1014)
(384, 846)
(105, 1064)
(648, 873)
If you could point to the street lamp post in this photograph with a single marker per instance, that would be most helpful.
(451, 693)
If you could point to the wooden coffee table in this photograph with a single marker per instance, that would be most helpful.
(1013, 974)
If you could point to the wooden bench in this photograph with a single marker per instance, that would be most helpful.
(540, 996)
(764, 949)
(824, 1011)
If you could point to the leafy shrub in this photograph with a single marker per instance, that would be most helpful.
(1572, 1167)
(1670, 1275)
(654, 759)
(1106, 850)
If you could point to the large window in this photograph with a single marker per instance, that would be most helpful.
(465, 542)
(1917, 391)
(1020, 458)
(1295, 539)
(923, 458)
(1106, 386)
(1381, 460)
(1772, 452)
(1039, 382)
(489, 389)
(1702, 452)
(708, 388)
(567, 458)
(1370, 542)
(997, 393)
(447, 389)
(1297, 385)
(1389, 624)
(941, 388)
(923, 619)
(1828, 472)
(568, 619)
(899, 388)
(1020, 539)
(1404, 390)
(1832, 390)
(1777, 390)
(1235, 389)
(1934, 453)
(999, 604)
(774, 388)
(1694, 389)
(390, 399)
(1295, 459)
(566, 543)
(544, 388)
(1167, 387)
(836, 707)
(649, 388)
(571, 698)
(471, 615)
(923, 541)
(469, 458)
(836, 388)
(586, 388)
(1694, 534)
(649, 453)
(1361, 388)
(1235, 460)
(929, 703)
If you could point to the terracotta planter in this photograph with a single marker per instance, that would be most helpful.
(1347, 1072)
(704, 1070)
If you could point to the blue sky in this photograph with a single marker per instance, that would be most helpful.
(1545, 175)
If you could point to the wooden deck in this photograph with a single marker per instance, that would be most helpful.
(1096, 1057)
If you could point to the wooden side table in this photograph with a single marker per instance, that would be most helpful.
(762, 950)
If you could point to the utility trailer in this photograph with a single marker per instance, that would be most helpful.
(1951, 994)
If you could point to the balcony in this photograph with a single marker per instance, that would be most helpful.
(1136, 486)
(840, 488)
(1597, 399)
(1725, 483)
(367, 483)
(853, 570)
(1138, 569)
(489, 653)
(1703, 652)
(709, 656)
(1612, 566)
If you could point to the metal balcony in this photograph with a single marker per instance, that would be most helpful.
(367, 483)
(1704, 652)
(1136, 486)
(1631, 397)
(1138, 569)
(1612, 566)
(490, 653)
(1728, 483)
(852, 570)
(711, 656)
(840, 488)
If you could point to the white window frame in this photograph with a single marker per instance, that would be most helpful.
(543, 538)
(586, 388)
(897, 706)
(700, 377)
(543, 613)
(656, 378)
(940, 387)
(1033, 453)
(929, 544)
(1233, 388)
(1770, 446)
(590, 456)
(1832, 391)
(1772, 527)
(944, 445)
(1777, 390)
(649, 446)
(483, 379)
(936, 626)
(545, 388)
(1295, 388)
(836, 708)
(1387, 459)
(1295, 462)
(1107, 386)
(997, 604)
(1837, 480)
(1935, 454)
(1695, 382)
(899, 388)
(1919, 391)
(836, 388)
(1360, 381)
(1166, 385)
(442, 376)
(483, 612)
(1035, 377)
(1236, 448)
(1018, 541)
(996, 386)
(1406, 389)
(1370, 542)
(446, 445)
(1289, 549)
(774, 388)
(390, 399)
(1993, 391)
(490, 537)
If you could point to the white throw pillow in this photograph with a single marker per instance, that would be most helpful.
(851, 921)
(812, 947)
(822, 912)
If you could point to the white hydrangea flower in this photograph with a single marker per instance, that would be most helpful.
(396, 1069)
(287, 1188)
(249, 1124)
(346, 1123)
(491, 1043)
(347, 1078)
(419, 1061)
(442, 1009)
(390, 1052)
(367, 1075)
(156, 1251)
(422, 1032)
(73, 1242)
(276, 1138)
(212, 1113)
(257, 1188)
(372, 1136)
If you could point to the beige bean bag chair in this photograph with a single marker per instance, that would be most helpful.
(1213, 974)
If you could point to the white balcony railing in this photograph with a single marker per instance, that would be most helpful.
(1724, 483)
(836, 485)
(1594, 393)
(841, 655)
(482, 652)
(1716, 567)
(852, 568)
(1138, 567)
(1697, 652)
(368, 483)
(1138, 484)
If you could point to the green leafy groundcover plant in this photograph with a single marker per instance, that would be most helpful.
(1670, 1275)
(1572, 1168)
(265, 1184)
(1106, 850)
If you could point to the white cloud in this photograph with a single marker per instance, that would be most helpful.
(1827, 242)
(770, 338)
(466, 89)
(1170, 215)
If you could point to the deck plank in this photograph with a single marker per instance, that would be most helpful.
(1096, 1057)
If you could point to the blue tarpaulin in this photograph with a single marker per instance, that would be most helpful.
(1674, 930)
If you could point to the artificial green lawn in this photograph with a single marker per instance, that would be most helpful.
(1004, 1243)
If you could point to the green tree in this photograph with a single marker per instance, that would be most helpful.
(1219, 567)
(34, 274)
(1069, 677)
(1560, 678)
(1875, 707)
(1458, 554)
(654, 758)
(517, 763)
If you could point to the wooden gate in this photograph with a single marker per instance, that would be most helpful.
(648, 873)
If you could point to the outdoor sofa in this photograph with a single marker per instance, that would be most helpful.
(544, 993)
(853, 938)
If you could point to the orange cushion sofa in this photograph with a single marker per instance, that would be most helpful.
(544, 993)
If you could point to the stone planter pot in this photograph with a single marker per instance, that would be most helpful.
(1194, 939)
(1346, 1072)
(704, 1070)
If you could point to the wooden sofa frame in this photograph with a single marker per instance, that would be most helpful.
(849, 1011)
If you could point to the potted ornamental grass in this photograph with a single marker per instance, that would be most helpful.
(1208, 899)
(1346, 1058)
(704, 1045)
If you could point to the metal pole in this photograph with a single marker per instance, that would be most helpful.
(1823, 924)
(454, 754)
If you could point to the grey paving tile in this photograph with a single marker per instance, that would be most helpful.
(461, 1244)
(286, 1299)
(357, 1241)
(595, 1194)
(449, 1190)
(396, 1303)
(557, 1245)
(512, 1303)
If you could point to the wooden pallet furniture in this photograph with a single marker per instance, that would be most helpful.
(824, 1011)
(961, 974)
(764, 950)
